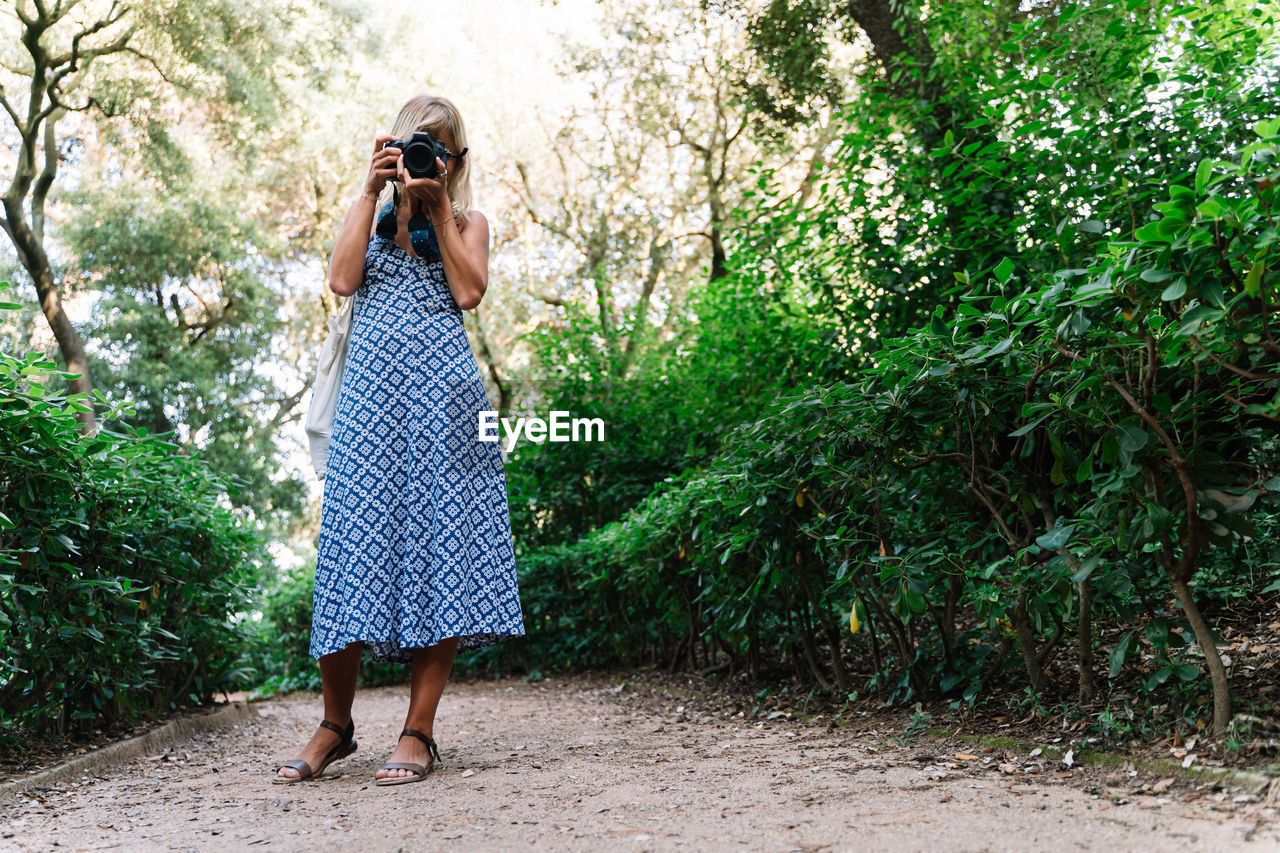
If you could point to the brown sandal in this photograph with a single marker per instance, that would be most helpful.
(342, 749)
(421, 771)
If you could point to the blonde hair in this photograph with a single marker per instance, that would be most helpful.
(436, 114)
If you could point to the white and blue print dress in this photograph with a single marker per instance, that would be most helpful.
(415, 533)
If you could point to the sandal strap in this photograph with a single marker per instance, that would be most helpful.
(427, 739)
(345, 741)
(432, 749)
(334, 727)
(299, 764)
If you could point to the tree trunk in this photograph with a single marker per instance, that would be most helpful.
(1213, 661)
(838, 671)
(900, 44)
(1027, 643)
(1084, 642)
(36, 262)
(1035, 657)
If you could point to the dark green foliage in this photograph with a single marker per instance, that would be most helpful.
(184, 317)
(789, 38)
(121, 567)
(753, 340)
(962, 493)
(1036, 435)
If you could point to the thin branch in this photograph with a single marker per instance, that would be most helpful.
(70, 58)
(1243, 405)
(531, 205)
(8, 108)
(285, 405)
(45, 181)
(150, 60)
(1195, 533)
(206, 326)
(83, 61)
(1264, 377)
(704, 234)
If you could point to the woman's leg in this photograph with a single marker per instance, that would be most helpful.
(431, 668)
(338, 673)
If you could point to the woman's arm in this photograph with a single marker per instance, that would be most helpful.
(465, 253)
(346, 266)
(466, 256)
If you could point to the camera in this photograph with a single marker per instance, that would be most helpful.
(420, 152)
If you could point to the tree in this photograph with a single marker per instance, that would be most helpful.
(121, 61)
(189, 227)
(643, 189)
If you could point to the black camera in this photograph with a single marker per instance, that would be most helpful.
(420, 152)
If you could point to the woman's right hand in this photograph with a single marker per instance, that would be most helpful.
(383, 165)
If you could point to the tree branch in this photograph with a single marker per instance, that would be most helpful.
(42, 184)
(1263, 377)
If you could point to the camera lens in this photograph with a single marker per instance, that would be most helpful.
(420, 160)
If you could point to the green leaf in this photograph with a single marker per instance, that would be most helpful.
(1131, 438)
(1056, 538)
(1004, 270)
(1086, 569)
(1176, 290)
(1195, 316)
(1253, 281)
(1267, 128)
(1203, 172)
(1187, 671)
(1212, 209)
(1119, 653)
(1160, 676)
(1151, 233)
(1212, 293)
(1023, 430)
(1000, 348)
(1085, 470)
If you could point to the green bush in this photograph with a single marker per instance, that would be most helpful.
(1076, 452)
(121, 566)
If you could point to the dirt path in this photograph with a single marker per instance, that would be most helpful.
(574, 764)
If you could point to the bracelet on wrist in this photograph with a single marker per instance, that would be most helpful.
(446, 219)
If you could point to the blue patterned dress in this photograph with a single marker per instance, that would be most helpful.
(415, 536)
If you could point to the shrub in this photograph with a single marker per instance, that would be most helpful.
(121, 565)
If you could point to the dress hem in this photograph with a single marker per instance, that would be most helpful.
(390, 651)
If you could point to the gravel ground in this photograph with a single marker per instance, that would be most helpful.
(594, 764)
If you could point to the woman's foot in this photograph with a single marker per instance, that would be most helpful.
(409, 750)
(316, 749)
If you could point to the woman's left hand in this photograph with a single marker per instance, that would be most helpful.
(431, 191)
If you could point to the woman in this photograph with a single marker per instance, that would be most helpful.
(415, 557)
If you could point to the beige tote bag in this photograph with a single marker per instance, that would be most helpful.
(332, 360)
